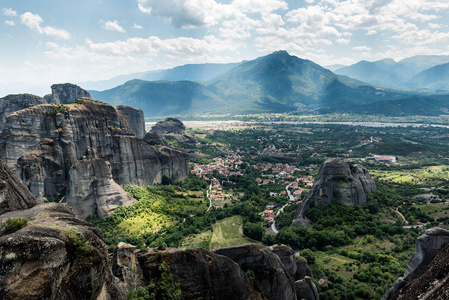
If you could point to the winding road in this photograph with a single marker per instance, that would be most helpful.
(291, 198)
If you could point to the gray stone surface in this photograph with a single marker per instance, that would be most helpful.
(13, 193)
(42, 147)
(337, 181)
(91, 189)
(153, 138)
(136, 119)
(173, 129)
(66, 93)
(44, 261)
(428, 246)
(12, 103)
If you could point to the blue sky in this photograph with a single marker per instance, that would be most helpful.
(53, 41)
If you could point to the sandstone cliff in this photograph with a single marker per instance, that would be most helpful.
(433, 284)
(66, 93)
(12, 103)
(222, 273)
(53, 254)
(43, 143)
(153, 138)
(336, 181)
(428, 247)
(135, 118)
(13, 194)
(173, 129)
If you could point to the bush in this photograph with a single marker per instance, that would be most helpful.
(14, 224)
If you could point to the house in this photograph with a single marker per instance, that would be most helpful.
(297, 193)
(267, 212)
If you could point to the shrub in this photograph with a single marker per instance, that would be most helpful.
(14, 224)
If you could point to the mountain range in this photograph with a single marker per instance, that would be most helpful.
(417, 72)
(278, 82)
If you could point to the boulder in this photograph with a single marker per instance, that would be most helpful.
(153, 138)
(55, 256)
(428, 247)
(173, 129)
(66, 93)
(339, 182)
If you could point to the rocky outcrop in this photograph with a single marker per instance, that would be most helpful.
(153, 138)
(427, 248)
(433, 284)
(173, 129)
(91, 189)
(339, 182)
(276, 269)
(306, 289)
(220, 274)
(135, 118)
(56, 256)
(44, 142)
(66, 93)
(201, 274)
(13, 194)
(12, 103)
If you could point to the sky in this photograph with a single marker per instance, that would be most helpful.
(55, 41)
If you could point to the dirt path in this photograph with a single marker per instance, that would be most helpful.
(402, 216)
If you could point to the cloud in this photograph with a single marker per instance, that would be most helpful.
(9, 23)
(33, 22)
(113, 26)
(9, 12)
(361, 48)
(136, 26)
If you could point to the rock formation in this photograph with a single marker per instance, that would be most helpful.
(173, 129)
(153, 138)
(13, 194)
(44, 142)
(54, 254)
(336, 181)
(92, 189)
(275, 268)
(135, 118)
(427, 248)
(433, 284)
(220, 274)
(66, 93)
(12, 103)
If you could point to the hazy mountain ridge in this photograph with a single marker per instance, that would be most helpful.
(277, 82)
(417, 72)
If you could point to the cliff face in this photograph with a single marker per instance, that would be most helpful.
(433, 284)
(66, 93)
(173, 129)
(135, 118)
(54, 255)
(336, 181)
(13, 194)
(45, 142)
(220, 274)
(12, 103)
(428, 246)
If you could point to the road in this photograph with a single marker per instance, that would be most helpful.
(291, 198)
(210, 201)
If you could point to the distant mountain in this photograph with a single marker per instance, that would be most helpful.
(435, 78)
(335, 67)
(277, 82)
(420, 63)
(191, 72)
(384, 72)
(389, 73)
